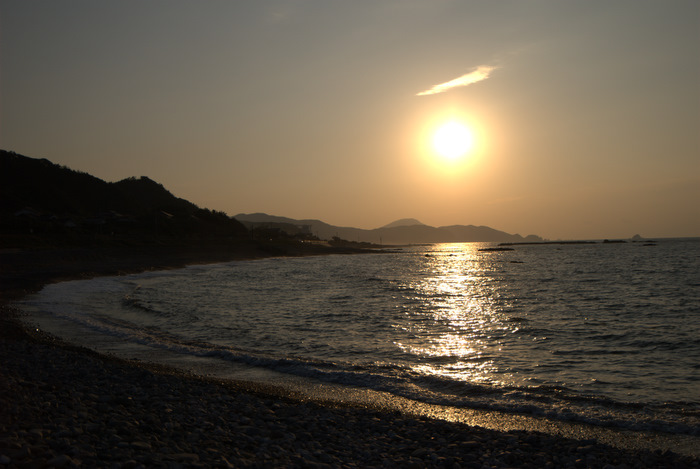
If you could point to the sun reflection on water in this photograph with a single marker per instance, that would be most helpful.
(454, 320)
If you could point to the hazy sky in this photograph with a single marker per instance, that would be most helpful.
(585, 115)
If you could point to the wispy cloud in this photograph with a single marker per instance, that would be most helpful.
(481, 73)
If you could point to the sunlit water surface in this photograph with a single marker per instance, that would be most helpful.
(602, 333)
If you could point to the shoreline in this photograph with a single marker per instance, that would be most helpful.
(67, 406)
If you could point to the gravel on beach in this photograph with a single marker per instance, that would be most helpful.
(64, 406)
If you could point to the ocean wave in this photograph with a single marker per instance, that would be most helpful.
(448, 330)
(554, 402)
(129, 302)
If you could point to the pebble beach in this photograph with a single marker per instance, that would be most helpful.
(64, 406)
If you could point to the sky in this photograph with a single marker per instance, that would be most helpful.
(584, 116)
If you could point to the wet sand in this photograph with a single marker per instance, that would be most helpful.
(65, 406)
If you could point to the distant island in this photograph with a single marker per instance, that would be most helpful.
(39, 197)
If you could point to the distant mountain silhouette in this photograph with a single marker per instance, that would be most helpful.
(399, 232)
(39, 196)
(403, 222)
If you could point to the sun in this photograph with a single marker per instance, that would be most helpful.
(453, 140)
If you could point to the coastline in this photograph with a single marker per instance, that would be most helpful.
(67, 406)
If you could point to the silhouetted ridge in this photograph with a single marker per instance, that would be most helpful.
(404, 231)
(45, 186)
(144, 194)
(42, 197)
(37, 196)
(403, 222)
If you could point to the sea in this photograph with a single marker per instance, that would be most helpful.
(603, 334)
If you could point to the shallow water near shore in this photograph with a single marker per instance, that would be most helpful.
(602, 334)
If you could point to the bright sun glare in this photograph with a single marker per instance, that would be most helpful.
(452, 140)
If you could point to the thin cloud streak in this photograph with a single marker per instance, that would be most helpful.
(481, 73)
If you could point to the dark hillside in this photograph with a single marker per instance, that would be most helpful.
(40, 197)
(42, 185)
(145, 195)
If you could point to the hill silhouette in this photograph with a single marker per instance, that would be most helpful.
(404, 231)
(403, 222)
(41, 197)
